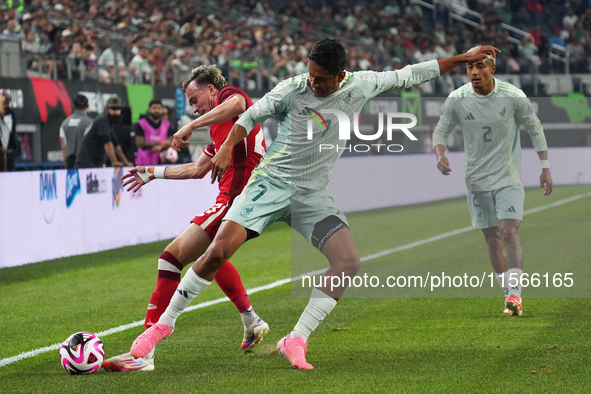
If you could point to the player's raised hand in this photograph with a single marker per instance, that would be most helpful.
(479, 53)
(443, 165)
(546, 181)
(220, 163)
(180, 139)
(136, 178)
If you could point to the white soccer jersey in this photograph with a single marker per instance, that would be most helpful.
(491, 133)
(294, 158)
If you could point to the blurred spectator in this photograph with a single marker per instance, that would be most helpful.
(585, 20)
(439, 34)
(112, 63)
(528, 53)
(553, 13)
(536, 10)
(100, 141)
(81, 61)
(157, 62)
(152, 135)
(175, 67)
(9, 144)
(537, 35)
(424, 54)
(557, 38)
(139, 68)
(10, 34)
(257, 40)
(577, 56)
(73, 129)
(124, 134)
(570, 19)
(522, 20)
(507, 15)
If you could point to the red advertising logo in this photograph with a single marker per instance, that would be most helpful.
(50, 93)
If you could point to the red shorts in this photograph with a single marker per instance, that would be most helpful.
(211, 219)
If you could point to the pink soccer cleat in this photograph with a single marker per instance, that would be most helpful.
(294, 349)
(513, 304)
(144, 344)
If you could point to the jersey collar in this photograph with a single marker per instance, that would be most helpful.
(493, 92)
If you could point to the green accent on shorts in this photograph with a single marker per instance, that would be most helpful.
(487, 208)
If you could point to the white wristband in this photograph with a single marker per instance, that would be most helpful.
(159, 172)
(545, 163)
(152, 173)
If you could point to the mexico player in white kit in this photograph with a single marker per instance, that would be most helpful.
(489, 112)
(290, 183)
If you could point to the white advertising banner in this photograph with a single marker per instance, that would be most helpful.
(58, 213)
(371, 182)
(51, 214)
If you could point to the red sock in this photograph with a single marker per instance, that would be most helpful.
(166, 285)
(229, 281)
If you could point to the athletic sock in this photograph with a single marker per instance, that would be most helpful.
(189, 288)
(169, 277)
(514, 275)
(318, 308)
(228, 279)
(503, 283)
(248, 317)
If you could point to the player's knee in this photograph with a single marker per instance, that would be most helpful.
(353, 265)
(510, 237)
(215, 256)
(349, 265)
(494, 241)
(493, 237)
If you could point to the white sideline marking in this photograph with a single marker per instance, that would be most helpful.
(56, 346)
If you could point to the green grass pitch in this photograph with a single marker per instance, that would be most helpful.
(396, 344)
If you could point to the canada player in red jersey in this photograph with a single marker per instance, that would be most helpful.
(219, 105)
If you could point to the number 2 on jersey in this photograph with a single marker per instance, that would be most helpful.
(486, 136)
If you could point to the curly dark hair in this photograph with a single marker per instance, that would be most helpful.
(330, 55)
(206, 75)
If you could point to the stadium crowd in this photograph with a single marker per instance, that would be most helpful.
(160, 41)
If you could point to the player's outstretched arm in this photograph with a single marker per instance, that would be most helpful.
(474, 55)
(140, 175)
(545, 177)
(442, 162)
(223, 157)
(227, 110)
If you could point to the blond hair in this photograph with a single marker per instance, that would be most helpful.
(206, 75)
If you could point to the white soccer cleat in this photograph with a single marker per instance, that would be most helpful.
(253, 334)
(127, 363)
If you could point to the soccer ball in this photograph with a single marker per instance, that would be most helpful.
(169, 156)
(82, 354)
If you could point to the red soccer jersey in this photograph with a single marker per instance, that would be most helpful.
(246, 154)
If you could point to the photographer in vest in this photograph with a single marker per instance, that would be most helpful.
(152, 135)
